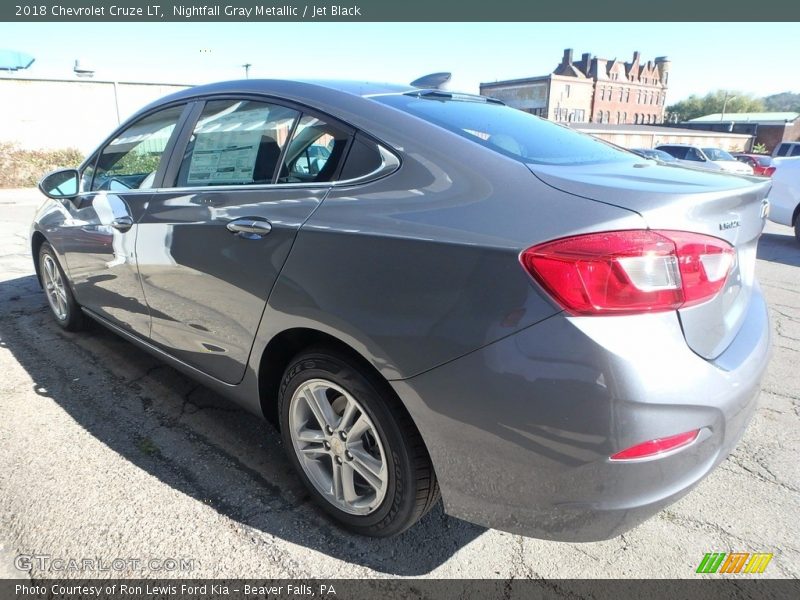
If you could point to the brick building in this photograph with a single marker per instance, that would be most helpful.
(591, 89)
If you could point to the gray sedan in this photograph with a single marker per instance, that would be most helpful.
(427, 292)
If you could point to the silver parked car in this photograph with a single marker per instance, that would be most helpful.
(454, 295)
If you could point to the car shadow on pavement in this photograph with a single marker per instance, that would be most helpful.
(775, 247)
(195, 441)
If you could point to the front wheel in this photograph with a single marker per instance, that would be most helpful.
(797, 228)
(354, 446)
(63, 306)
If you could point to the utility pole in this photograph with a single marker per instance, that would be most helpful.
(247, 70)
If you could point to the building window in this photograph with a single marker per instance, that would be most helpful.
(566, 90)
(624, 117)
(580, 115)
(608, 116)
(627, 95)
(600, 116)
(638, 96)
(619, 117)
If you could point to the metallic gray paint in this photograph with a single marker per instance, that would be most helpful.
(520, 405)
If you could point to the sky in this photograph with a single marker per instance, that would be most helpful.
(760, 58)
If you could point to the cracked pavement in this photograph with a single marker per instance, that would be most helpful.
(108, 453)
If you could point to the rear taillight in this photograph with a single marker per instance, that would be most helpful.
(656, 447)
(769, 171)
(634, 271)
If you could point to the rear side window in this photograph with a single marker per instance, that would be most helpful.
(236, 142)
(315, 152)
(795, 150)
(508, 131)
(363, 158)
(676, 151)
(783, 150)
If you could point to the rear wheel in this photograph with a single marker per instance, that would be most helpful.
(355, 448)
(63, 306)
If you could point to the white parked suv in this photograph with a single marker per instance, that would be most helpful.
(787, 149)
(785, 195)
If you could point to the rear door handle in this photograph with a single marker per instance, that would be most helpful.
(122, 223)
(249, 227)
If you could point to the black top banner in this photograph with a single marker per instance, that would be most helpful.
(397, 10)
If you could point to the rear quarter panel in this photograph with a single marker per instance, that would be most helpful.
(422, 266)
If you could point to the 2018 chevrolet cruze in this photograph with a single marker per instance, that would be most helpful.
(426, 291)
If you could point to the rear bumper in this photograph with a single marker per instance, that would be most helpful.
(520, 431)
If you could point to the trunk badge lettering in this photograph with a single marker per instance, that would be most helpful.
(728, 225)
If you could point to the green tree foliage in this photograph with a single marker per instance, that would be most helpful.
(783, 102)
(696, 106)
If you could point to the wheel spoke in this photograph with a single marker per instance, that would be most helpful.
(348, 485)
(319, 405)
(48, 266)
(359, 428)
(347, 416)
(336, 482)
(368, 467)
(310, 436)
(314, 450)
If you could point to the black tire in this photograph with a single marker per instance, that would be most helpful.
(797, 228)
(73, 318)
(412, 488)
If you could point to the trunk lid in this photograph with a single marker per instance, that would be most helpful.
(725, 206)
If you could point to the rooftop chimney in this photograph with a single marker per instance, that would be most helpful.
(567, 56)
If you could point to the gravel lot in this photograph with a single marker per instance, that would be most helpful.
(106, 453)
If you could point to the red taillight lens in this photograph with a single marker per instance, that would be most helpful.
(624, 272)
(769, 171)
(658, 446)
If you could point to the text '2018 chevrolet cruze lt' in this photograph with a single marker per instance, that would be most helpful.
(426, 291)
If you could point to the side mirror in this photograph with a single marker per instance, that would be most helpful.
(61, 184)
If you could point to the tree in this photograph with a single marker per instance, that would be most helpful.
(734, 102)
(783, 102)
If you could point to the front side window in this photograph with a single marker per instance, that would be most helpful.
(130, 161)
(236, 142)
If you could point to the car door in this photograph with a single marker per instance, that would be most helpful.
(211, 246)
(100, 232)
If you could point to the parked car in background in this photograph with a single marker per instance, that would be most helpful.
(654, 154)
(727, 162)
(787, 149)
(760, 163)
(456, 296)
(690, 156)
(785, 195)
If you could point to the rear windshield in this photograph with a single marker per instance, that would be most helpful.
(508, 131)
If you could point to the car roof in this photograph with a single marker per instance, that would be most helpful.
(286, 87)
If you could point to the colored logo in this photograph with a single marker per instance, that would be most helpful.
(735, 562)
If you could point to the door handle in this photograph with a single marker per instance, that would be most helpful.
(122, 223)
(249, 228)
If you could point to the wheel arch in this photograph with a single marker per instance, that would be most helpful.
(37, 239)
(284, 346)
